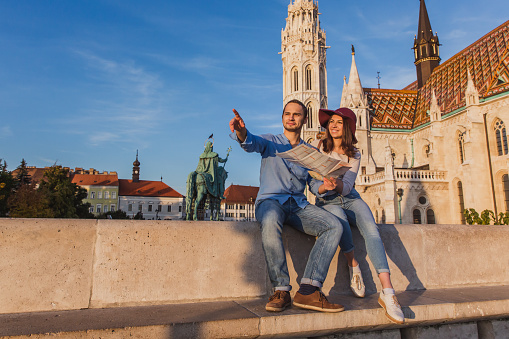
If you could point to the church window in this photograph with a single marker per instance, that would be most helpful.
(383, 217)
(322, 81)
(295, 79)
(501, 135)
(505, 183)
(424, 51)
(461, 146)
(430, 216)
(461, 201)
(417, 216)
(308, 78)
(376, 217)
(310, 116)
(360, 121)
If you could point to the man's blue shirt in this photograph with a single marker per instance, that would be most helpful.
(279, 179)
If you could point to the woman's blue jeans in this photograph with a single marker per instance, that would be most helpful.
(311, 220)
(351, 209)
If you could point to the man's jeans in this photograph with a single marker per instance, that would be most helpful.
(311, 220)
(351, 208)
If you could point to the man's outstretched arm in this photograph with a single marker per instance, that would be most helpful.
(237, 125)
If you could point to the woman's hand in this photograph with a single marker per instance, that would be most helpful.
(329, 183)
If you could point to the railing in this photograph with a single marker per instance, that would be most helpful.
(403, 175)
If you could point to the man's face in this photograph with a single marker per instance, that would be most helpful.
(293, 117)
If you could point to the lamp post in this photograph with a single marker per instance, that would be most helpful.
(399, 192)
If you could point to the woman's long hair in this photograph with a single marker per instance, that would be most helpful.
(347, 139)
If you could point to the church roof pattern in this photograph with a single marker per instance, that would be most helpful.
(487, 60)
(146, 188)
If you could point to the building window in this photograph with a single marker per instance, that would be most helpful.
(505, 183)
(106, 195)
(113, 195)
(180, 208)
(417, 216)
(242, 207)
(98, 208)
(308, 78)
(130, 207)
(295, 79)
(150, 208)
(91, 210)
(383, 217)
(242, 215)
(99, 195)
(159, 207)
(501, 135)
(430, 216)
(92, 195)
(376, 217)
(105, 208)
(461, 146)
(169, 208)
(461, 202)
(322, 81)
(112, 207)
(140, 206)
(310, 116)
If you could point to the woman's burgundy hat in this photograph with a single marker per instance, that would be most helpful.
(325, 114)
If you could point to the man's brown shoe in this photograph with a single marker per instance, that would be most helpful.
(316, 301)
(279, 301)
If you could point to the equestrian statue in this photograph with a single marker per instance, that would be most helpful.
(206, 182)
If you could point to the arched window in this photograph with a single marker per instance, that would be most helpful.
(383, 217)
(310, 116)
(505, 183)
(501, 137)
(430, 216)
(461, 146)
(376, 217)
(295, 79)
(308, 78)
(322, 80)
(461, 201)
(417, 216)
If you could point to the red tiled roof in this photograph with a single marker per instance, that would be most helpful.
(240, 194)
(35, 173)
(392, 108)
(487, 60)
(146, 188)
(95, 179)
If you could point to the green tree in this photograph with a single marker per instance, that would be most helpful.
(7, 184)
(22, 176)
(28, 202)
(65, 198)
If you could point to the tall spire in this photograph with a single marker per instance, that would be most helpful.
(426, 52)
(136, 169)
(354, 92)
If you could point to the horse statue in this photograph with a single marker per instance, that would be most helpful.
(206, 182)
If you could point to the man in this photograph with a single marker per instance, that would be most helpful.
(281, 200)
(208, 165)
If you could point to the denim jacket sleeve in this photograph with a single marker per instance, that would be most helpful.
(253, 143)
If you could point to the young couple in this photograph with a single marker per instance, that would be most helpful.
(281, 200)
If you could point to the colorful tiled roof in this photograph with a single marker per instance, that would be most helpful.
(95, 179)
(240, 194)
(146, 188)
(488, 62)
(391, 108)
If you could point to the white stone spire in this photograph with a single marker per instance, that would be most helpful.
(471, 93)
(435, 113)
(355, 94)
(344, 93)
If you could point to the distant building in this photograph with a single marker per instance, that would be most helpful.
(154, 199)
(102, 189)
(239, 203)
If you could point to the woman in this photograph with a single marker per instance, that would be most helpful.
(338, 196)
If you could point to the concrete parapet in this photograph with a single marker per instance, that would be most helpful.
(52, 264)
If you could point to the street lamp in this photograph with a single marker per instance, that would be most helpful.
(399, 192)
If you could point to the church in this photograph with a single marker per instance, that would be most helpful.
(429, 150)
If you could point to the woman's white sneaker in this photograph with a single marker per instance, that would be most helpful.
(391, 306)
(356, 282)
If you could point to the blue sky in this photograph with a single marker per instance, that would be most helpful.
(87, 83)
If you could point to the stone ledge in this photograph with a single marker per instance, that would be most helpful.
(248, 318)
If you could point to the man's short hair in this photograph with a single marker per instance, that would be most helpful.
(295, 101)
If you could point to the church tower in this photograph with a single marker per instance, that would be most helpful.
(303, 53)
(136, 169)
(354, 98)
(426, 52)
